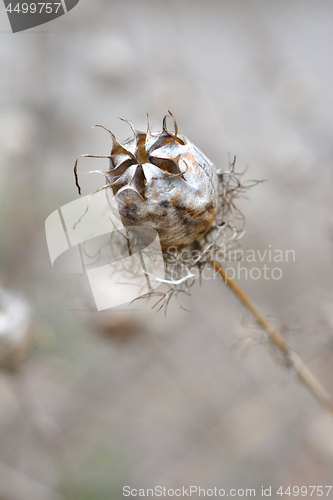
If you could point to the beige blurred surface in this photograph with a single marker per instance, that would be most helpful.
(193, 398)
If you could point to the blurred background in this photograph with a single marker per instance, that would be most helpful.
(93, 401)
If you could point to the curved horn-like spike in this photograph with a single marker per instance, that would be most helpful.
(130, 124)
(165, 129)
(120, 169)
(103, 172)
(175, 123)
(137, 183)
(88, 200)
(115, 144)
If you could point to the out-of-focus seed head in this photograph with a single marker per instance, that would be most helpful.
(15, 330)
(162, 180)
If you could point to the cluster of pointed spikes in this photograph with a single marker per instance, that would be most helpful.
(127, 159)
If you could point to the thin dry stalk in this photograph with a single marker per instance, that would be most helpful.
(303, 373)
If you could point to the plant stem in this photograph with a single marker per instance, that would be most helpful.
(303, 373)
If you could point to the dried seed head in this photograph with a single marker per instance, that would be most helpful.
(162, 180)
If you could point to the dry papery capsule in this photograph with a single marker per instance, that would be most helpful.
(162, 180)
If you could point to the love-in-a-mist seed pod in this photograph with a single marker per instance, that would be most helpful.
(162, 180)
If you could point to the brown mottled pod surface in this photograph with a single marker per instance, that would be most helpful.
(162, 180)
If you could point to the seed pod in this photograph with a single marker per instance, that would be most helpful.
(15, 330)
(162, 180)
